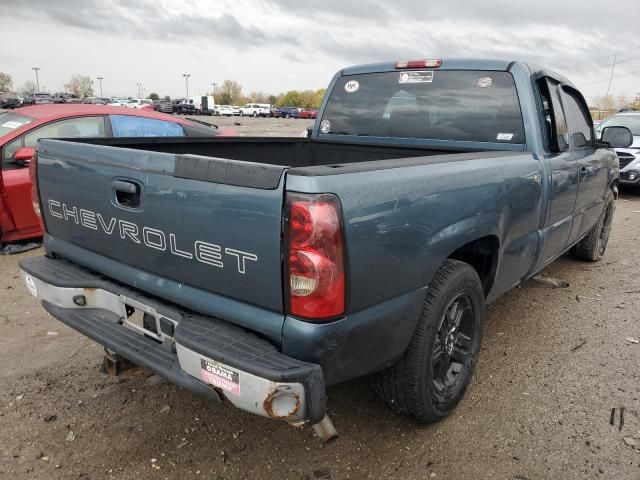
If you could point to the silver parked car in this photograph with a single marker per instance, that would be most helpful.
(629, 157)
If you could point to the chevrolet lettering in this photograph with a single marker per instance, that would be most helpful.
(200, 251)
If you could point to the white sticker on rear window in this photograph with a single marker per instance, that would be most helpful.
(351, 86)
(11, 124)
(325, 126)
(485, 82)
(505, 136)
(416, 77)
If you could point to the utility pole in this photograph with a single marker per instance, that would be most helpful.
(100, 80)
(214, 88)
(139, 88)
(613, 67)
(186, 81)
(36, 69)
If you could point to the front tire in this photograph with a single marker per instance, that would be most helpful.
(436, 369)
(593, 246)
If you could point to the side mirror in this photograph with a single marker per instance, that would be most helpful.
(24, 154)
(617, 137)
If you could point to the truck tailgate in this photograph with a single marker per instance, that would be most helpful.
(213, 225)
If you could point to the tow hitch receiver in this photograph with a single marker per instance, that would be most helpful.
(114, 364)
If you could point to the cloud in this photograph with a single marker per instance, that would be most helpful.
(148, 20)
(298, 43)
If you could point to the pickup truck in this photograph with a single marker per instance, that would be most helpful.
(255, 110)
(259, 271)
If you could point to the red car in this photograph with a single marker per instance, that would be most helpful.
(308, 113)
(21, 128)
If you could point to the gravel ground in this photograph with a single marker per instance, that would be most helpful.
(264, 127)
(554, 363)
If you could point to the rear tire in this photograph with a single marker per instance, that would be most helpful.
(255, 114)
(436, 369)
(593, 246)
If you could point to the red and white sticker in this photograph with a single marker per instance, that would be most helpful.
(416, 77)
(221, 377)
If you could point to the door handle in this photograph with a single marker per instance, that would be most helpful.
(124, 187)
(127, 193)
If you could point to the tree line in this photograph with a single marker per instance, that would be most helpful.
(604, 105)
(229, 93)
(78, 85)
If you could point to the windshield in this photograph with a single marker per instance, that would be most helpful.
(9, 121)
(478, 106)
(632, 122)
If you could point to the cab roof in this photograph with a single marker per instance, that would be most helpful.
(499, 65)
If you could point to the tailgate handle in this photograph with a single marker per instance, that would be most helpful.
(127, 193)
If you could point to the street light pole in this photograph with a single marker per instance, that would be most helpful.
(139, 86)
(186, 81)
(100, 80)
(35, 69)
(214, 88)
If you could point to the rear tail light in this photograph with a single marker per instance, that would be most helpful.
(33, 176)
(314, 257)
(432, 63)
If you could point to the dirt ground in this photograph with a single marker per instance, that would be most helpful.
(554, 363)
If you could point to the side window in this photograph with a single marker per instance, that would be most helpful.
(71, 128)
(555, 122)
(578, 118)
(7, 154)
(130, 126)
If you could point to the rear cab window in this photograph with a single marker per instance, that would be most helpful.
(458, 105)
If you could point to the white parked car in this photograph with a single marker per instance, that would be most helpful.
(256, 110)
(119, 102)
(140, 103)
(223, 110)
(235, 109)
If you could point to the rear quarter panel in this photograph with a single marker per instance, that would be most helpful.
(402, 223)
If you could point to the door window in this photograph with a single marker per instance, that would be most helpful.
(578, 118)
(130, 126)
(70, 128)
(557, 138)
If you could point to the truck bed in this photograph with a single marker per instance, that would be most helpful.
(288, 152)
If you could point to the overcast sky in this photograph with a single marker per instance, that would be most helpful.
(277, 45)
